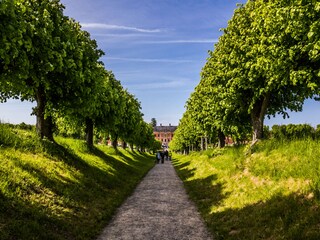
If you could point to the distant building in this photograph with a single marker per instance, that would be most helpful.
(164, 134)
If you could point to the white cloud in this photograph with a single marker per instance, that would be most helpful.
(150, 60)
(178, 41)
(118, 27)
(159, 85)
(120, 35)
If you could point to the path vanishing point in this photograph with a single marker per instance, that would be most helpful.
(158, 209)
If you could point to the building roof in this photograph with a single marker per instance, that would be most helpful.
(164, 128)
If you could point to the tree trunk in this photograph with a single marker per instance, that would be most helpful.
(44, 123)
(206, 143)
(124, 145)
(257, 117)
(221, 139)
(131, 146)
(201, 146)
(89, 132)
(115, 142)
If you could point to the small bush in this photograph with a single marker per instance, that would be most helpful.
(293, 131)
(25, 126)
(7, 137)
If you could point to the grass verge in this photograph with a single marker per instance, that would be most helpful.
(64, 190)
(271, 194)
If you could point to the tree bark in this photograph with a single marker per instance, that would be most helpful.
(124, 145)
(221, 139)
(89, 132)
(131, 146)
(257, 117)
(202, 144)
(115, 142)
(44, 124)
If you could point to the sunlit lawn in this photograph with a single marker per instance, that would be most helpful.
(271, 194)
(64, 191)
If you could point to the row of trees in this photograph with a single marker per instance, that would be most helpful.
(46, 57)
(266, 62)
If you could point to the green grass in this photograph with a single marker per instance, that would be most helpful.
(63, 190)
(273, 193)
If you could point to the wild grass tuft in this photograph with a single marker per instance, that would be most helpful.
(273, 193)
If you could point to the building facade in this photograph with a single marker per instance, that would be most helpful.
(164, 134)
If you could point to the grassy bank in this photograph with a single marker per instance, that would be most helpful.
(271, 194)
(64, 191)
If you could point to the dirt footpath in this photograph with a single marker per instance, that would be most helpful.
(158, 209)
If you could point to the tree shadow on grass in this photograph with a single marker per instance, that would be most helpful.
(143, 155)
(101, 179)
(281, 217)
(20, 219)
(183, 170)
(83, 203)
(205, 192)
(293, 216)
(135, 163)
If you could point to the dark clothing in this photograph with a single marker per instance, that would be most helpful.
(158, 157)
(162, 157)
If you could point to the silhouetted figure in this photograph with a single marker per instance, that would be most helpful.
(166, 155)
(158, 157)
(162, 156)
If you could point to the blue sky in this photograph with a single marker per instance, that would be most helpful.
(156, 48)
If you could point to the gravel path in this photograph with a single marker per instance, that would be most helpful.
(158, 209)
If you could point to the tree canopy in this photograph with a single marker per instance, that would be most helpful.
(48, 58)
(266, 62)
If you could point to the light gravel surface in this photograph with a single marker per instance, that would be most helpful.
(158, 209)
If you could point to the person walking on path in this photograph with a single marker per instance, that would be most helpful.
(158, 209)
(162, 156)
(166, 155)
(158, 157)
